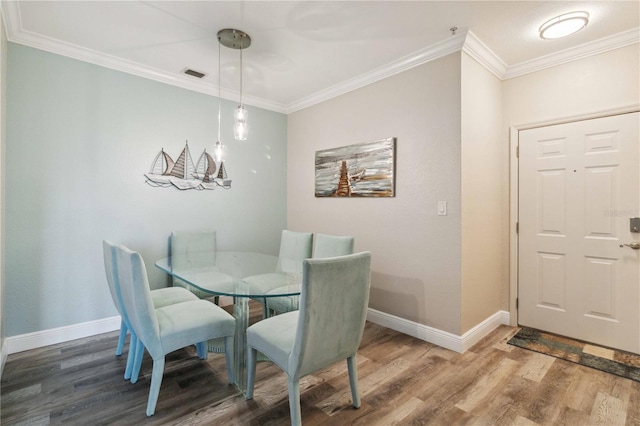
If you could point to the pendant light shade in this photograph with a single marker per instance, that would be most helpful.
(236, 39)
(240, 128)
(219, 152)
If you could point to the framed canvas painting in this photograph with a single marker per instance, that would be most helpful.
(359, 170)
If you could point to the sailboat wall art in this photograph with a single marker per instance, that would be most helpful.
(360, 170)
(184, 174)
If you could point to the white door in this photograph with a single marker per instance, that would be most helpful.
(579, 186)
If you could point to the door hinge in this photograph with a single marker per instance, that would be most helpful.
(517, 303)
(518, 151)
(517, 227)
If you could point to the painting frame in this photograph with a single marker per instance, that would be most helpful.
(363, 170)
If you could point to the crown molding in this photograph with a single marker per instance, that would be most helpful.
(16, 34)
(616, 41)
(464, 41)
(433, 52)
(479, 51)
(476, 49)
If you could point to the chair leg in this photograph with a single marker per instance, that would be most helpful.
(123, 335)
(229, 357)
(353, 380)
(202, 350)
(252, 354)
(294, 402)
(137, 362)
(156, 381)
(265, 310)
(133, 342)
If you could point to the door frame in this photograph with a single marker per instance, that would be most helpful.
(514, 169)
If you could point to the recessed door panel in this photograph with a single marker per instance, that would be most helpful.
(598, 143)
(552, 148)
(599, 288)
(551, 280)
(600, 193)
(551, 195)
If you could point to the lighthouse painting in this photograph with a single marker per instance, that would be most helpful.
(360, 170)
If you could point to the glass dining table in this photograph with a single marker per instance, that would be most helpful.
(243, 276)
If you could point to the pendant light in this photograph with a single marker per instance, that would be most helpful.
(236, 39)
(219, 149)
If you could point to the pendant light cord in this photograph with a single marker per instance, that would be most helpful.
(241, 48)
(219, 92)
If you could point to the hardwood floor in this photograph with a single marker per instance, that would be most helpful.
(402, 381)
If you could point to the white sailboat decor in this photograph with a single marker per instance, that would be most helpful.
(183, 174)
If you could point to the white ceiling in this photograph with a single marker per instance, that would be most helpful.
(303, 52)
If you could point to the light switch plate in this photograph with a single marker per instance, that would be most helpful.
(442, 208)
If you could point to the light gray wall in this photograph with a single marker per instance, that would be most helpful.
(79, 140)
(3, 104)
(415, 253)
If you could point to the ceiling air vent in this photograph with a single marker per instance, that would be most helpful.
(194, 73)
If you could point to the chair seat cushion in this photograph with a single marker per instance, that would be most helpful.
(274, 337)
(263, 283)
(170, 296)
(182, 324)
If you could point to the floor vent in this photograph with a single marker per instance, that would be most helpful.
(194, 73)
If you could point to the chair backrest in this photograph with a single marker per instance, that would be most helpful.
(197, 247)
(192, 249)
(111, 270)
(294, 248)
(136, 297)
(331, 246)
(333, 309)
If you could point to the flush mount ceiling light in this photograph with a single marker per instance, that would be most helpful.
(564, 25)
(236, 39)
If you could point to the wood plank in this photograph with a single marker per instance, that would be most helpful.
(536, 367)
(608, 410)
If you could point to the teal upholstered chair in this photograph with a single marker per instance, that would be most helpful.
(169, 328)
(193, 248)
(328, 327)
(294, 248)
(332, 246)
(325, 246)
(160, 297)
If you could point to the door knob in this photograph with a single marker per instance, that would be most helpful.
(634, 245)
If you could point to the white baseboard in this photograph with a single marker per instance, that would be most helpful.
(38, 339)
(438, 337)
(25, 342)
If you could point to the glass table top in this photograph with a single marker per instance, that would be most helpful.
(237, 273)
